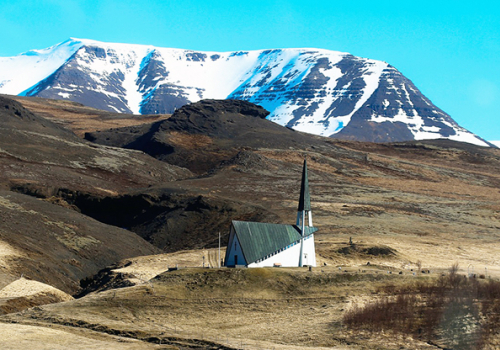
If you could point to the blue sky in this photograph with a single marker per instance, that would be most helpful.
(451, 52)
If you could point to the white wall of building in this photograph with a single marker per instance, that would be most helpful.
(290, 256)
(310, 250)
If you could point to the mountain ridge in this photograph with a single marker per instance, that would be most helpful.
(327, 93)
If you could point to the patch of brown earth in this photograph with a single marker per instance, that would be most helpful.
(82, 119)
(189, 141)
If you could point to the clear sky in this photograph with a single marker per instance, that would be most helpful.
(449, 49)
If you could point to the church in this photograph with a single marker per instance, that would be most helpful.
(256, 244)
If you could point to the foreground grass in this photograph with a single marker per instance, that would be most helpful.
(284, 309)
(259, 308)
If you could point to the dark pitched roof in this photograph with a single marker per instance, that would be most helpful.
(304, 199)
(258, 239)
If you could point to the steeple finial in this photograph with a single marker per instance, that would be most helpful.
(304, 199)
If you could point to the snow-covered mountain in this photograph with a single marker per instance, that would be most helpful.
(317, 91)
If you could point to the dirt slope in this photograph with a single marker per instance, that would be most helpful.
(23, 293)
(79, 118)
(58, 246)
(201, 135)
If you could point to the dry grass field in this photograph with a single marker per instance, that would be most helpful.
(406, 208)
(210, 308)
(81, 119)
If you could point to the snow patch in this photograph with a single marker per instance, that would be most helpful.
(21, 72)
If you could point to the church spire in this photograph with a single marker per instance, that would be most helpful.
(304, 199)
(304, 215)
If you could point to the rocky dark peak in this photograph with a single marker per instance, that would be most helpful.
(152, 69)
(201, 135)
(223, 119)
(216, 109)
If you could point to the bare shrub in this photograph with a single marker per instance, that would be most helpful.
(461, 312)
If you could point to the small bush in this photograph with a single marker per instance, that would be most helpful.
(461, 312)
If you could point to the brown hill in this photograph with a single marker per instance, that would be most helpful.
(201, 135)
(56, 245)
(79, 118)
(44, 158)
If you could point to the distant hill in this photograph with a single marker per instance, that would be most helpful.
(201, 135)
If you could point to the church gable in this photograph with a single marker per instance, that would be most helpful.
(234, 253)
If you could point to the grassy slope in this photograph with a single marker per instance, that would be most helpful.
(261, 308)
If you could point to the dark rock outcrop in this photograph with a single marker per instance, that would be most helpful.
(201, 135)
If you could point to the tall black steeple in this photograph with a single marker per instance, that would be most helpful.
(304, 216)
(304, 199)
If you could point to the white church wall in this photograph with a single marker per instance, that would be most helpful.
(309, 252)
(290, 256)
